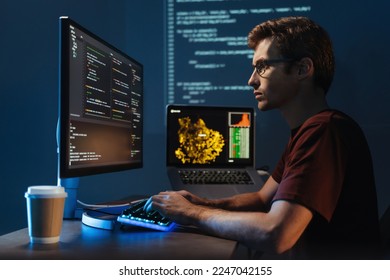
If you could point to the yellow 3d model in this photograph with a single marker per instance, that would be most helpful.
(198, 144)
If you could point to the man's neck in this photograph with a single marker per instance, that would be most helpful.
(303, 107)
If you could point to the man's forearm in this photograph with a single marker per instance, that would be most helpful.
(240, 202)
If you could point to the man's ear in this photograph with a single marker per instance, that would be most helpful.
(305, 67)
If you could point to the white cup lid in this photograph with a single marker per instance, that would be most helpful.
(46, 191)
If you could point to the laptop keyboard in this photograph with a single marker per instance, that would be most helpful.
(225, 177)
(136, 216)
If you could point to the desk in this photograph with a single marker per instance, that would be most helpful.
(79, 241)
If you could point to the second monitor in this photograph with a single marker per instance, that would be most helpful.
(100, 108)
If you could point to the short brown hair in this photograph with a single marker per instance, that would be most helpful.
(298, 37)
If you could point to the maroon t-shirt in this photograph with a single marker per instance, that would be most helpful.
(327, 168)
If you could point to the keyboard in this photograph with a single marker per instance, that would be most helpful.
(230, 177)
(136, 216)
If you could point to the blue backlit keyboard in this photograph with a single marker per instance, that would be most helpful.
(136, 216)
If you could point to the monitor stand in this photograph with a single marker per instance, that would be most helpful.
(71, 185)
(103, 217)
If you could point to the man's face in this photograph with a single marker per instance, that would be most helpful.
(274, 88)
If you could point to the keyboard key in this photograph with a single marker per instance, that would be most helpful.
(233, 177)
(136, 216)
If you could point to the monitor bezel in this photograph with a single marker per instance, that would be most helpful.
(63, 110)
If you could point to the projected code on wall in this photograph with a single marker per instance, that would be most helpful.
(207, 53)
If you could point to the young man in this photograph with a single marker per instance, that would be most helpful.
(320, 202)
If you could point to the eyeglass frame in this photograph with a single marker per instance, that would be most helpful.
(268, 62)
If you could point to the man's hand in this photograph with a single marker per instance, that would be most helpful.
(194, 198)
(174, 206)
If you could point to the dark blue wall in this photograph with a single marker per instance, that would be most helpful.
(29, 92)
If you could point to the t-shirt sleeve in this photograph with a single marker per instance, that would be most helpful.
(277, 174)
(311, 171)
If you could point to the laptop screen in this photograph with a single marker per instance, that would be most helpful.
(205, 136)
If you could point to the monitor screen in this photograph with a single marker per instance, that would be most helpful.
(101, 105)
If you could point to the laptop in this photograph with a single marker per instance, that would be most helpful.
(210, 150)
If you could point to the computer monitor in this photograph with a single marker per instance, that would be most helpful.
(100, 127)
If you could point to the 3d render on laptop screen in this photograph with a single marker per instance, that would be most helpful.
(201, 135)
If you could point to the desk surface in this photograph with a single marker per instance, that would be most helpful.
(79, 241)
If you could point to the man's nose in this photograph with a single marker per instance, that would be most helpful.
(254, 80)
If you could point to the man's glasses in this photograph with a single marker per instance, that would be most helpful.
(261, 66)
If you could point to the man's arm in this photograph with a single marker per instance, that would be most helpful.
(254, 201)
(274, 231)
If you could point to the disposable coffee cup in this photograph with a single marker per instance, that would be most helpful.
(45, 211)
